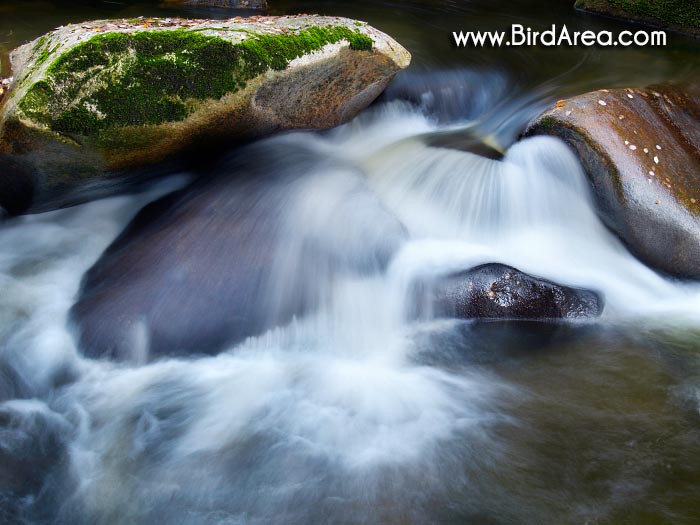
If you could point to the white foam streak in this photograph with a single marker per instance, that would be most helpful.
(532, 210)
(342, 386)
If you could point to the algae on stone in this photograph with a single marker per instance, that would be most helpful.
(152, 77)
(92, 100)
(683, 15)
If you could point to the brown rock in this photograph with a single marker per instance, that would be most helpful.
(640, 150)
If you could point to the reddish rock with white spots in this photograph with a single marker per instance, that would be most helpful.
(641, 151)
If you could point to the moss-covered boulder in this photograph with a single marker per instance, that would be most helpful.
(97, 98)
(641, 151)
(680, 15)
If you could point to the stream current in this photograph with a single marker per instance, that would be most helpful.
(357, 412)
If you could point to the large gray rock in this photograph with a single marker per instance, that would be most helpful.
(93, 99)
(233, 255)
(641, 151)
(496, 291)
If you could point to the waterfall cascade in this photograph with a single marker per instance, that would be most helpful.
(337, 415)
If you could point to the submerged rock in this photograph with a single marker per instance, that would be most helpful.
(680, 15)
(233, 255)
(93, 99)
(641, 151)
(496, 291)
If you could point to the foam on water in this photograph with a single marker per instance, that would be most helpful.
(320, 413)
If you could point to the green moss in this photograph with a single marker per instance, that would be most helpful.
(152, 77)
(677, 13)
(276, 51)
(40, 42)
(42, 50)
(547, 123)
(38, 97)
(46, 53)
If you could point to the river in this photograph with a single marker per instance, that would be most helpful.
(357, 412)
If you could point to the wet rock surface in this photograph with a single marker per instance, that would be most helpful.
(92, 100)
(641, 151)
(679, 15)
(232, 256)
(496, 291)
(16, 186)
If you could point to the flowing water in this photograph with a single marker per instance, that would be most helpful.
(356, 411)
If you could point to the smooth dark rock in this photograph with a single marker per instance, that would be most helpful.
(678, 15)
(16, 185)
(641, 151)
(496, 291)
(232, 256)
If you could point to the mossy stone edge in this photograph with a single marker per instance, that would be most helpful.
(94, 101)
(679, 15)
(158, 76)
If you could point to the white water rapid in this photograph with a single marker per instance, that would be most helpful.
(337, 417)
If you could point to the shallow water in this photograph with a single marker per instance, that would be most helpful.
(355, 412)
